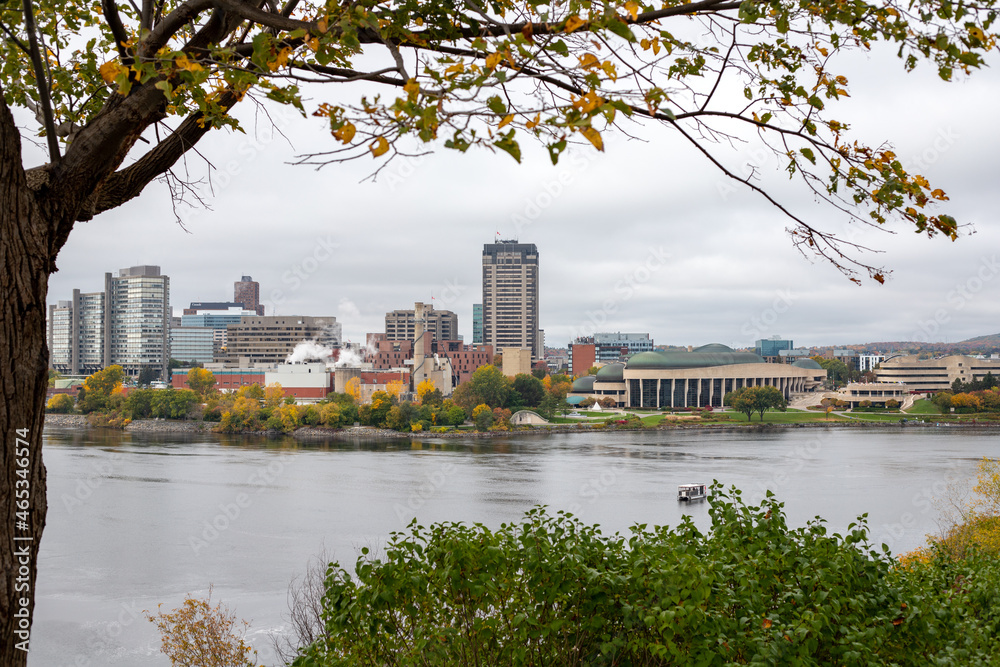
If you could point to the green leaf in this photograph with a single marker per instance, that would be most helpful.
(496, 105)
(808, 153)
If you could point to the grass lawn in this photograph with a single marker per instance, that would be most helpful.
(924, 407)
(788, 417)
(878, 416)
(652, 420)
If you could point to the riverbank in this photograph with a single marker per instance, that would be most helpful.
(78, 422)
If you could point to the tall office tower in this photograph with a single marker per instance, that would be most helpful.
(247, 292)
(510, 297)
(76, 334)
(477, 324)
(137, 321)
(441, 324)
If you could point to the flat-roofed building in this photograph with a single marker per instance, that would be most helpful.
(929, 375)
(440, 324)
(195, 344)
(271, 339)
(510, 297)
(137, 324)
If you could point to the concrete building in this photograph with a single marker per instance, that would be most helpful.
(440, 324)
(791, 356)
(195, 344)
(247, 292)
(930, 375)
(428, 366)
(510, 297)
(696, 378)
(127, 324)
(465, 359)
(137, 320)
(370, 380)
(477, 324)
(868, 362)
(307, 383)
(271, 339)
(877, 393)
(76, 334)
(612, 347)
(516, 360)
(770, 348)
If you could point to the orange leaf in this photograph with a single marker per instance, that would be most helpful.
(574, 22)
(110, 71)
(767, 623)
(506, 120)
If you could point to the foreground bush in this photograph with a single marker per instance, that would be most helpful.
(553, 591)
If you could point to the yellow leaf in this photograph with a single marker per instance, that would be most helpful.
(632, 7)
(574, 22)
(939, 194)
(110, 71)
(312, 43)
(822, 50)
(346, 133)
(379, 147)
(412, 88)
(594, 137)
(186, 64)
(493, 60)
(589, 60)
(534, 122)
(321, 24)
(921, 181)
(506, 120)
(457, 68)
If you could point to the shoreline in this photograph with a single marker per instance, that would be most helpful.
(314, 433)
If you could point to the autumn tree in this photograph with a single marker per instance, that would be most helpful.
(120, 92)
(200, 380)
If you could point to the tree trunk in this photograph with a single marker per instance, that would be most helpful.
(25, 261)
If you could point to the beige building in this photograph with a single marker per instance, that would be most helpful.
(440, 324)
(696, 378)
(510, 297)
(876, 393)
(929, 375)
(270, 339)
(515, 361)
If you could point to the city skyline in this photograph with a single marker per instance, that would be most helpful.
(723, 270)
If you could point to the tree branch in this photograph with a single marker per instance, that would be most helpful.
(110, 10)
(40, 81)
(128, 183)
(12, 37)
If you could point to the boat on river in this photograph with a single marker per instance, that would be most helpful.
(689, 492)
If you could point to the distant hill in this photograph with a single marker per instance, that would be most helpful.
(992, 339)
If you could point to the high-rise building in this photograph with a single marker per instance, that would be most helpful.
(441, 324)
(510, 297)
(271, 339)
(477, 324)
(137, 323)
(76, 334)
(247, 292)
(127, 324)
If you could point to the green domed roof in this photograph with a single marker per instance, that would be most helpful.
(705, 356)
(807, 363)
(611, 373)
(584, 384)
(714, 347)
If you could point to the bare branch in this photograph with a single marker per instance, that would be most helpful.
(12, 37)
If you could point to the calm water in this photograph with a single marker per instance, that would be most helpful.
(138, 521)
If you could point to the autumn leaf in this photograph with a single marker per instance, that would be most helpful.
(493, 60)
(767, 623)
(574, 22)
(110, 71)
(632, 7)
(379, 147)
(589, 60)
(594, 137)
(506, 121)
(346, 133)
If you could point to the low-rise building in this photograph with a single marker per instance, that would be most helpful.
(516, 360)
(930, 375)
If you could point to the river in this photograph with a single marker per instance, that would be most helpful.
(136, 521)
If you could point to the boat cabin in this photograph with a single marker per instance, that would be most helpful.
(687, 492)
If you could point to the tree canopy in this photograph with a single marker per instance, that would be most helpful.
(148, 81)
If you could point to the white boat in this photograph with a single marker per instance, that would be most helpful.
(689, 492)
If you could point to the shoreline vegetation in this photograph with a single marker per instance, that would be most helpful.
(552, 590)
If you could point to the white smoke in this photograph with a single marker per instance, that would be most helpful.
(353, 356)
(308, 349)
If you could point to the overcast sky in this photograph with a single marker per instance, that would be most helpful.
(646, 237)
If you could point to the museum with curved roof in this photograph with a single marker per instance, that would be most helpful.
(697, 377)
